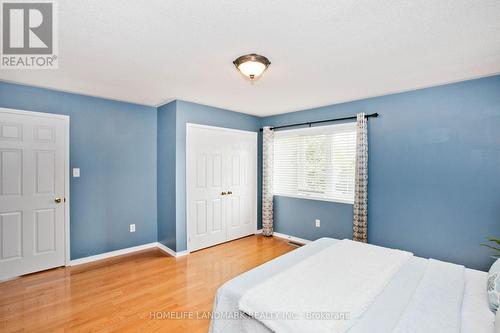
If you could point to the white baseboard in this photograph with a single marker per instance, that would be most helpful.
(132, 249)
(182, 253)
(165, 249)
(291, 238)
(112, 254)
(288, 237)
(168, 250)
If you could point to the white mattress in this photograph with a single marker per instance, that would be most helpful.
(382, 315)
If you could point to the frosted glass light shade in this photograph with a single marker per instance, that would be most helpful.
(252, 65)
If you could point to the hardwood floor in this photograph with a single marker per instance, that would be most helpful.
(126, 293)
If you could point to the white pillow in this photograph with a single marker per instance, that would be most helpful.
(493, 286)
(497, 322)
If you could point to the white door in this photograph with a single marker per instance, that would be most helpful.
(221, 185)
(32, 191)
(241, 184)
(205, 172)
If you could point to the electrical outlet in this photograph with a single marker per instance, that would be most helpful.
(318, 223)
(132, 228)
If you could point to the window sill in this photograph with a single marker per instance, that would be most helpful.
(310, 197)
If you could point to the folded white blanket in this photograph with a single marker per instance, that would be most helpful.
(326, 292)
(437, 302)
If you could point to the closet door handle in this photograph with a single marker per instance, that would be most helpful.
(223, 193)
(229, 192)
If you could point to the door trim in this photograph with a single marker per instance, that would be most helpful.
(66, 119)
(217, 128)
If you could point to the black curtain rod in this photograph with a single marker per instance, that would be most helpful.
(375, 115)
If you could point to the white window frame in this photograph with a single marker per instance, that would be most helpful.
(326, 129)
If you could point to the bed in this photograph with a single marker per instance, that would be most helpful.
(393, 308)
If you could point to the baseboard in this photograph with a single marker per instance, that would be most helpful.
(165, 249)
(291, 238)
(126, 251)
(182, 253)
(111, 254)
(168, 250)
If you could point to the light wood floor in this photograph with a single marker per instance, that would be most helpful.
(119, 294)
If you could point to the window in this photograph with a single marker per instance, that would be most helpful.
(316, 163)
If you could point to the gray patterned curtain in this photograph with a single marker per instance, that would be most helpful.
(360, 207)
(267, 181)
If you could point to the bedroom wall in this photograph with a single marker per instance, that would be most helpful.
(166, 198)
(434, 169)
(434, 173)
(114, 144)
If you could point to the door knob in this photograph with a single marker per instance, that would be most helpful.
(229, 192)
(223, 193)
(58, 200)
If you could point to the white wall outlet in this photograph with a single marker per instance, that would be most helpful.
(318, 223)
(132, 228)
(76, 172)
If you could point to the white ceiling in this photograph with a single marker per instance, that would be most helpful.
(322, 51)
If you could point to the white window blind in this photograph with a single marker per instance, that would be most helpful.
(316, 163)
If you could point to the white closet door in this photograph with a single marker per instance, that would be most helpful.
(32, 191)
(205, 158)
(241, 184)
(221, 185)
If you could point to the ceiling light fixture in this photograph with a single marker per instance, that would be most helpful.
(251, 65)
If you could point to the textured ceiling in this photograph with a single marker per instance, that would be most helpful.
(322, 52)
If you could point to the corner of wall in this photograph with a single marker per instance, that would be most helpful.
(166, 178)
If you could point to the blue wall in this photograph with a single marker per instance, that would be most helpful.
(434, 173)
(166, 174)
(114, 144)
(297, 217)
(434, 169)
